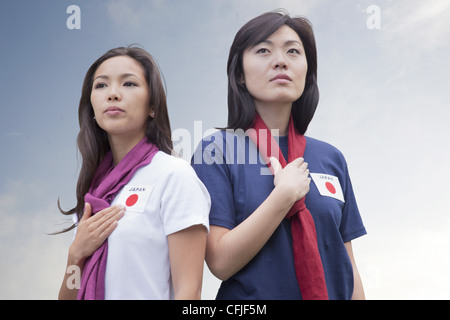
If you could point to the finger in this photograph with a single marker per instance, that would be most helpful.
(298, 162)
(107, 231)
(106, 214)
(108, 226)
(87, 211)
(276, 166)
(303, 165)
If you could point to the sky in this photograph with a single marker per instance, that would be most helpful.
(383, 75)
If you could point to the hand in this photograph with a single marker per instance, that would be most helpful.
(293, 177)
(92, 231)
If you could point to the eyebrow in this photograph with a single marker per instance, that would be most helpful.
(287, 43)
(124, 75)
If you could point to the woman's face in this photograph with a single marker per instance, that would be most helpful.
(120, 97)
(275, 69)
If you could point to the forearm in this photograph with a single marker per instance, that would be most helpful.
(358, 290)
(72, 278)
(92, 231)
(189, 291)
(233, 249)
(187, 257)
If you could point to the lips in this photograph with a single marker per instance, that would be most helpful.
(281, 77)
(113, 108)
(113, 111)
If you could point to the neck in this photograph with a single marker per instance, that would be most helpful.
(276, 117)
(120, 146)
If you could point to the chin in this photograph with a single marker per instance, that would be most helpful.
(284, 97)
(286, 100)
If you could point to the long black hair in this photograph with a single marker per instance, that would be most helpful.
(93, 141)
(241, 109)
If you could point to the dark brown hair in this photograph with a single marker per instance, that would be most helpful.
(93, 142)
(241, 109)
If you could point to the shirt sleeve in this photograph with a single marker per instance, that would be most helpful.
(209, 163)
(352, 225)
(185, 201)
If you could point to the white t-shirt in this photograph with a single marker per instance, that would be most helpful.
(162, 198)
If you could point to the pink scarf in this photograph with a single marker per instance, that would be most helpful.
(106, 184)
(307, 261)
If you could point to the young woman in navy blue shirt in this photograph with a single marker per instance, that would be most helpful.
(272, 72)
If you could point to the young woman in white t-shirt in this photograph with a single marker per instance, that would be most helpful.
(157, 224)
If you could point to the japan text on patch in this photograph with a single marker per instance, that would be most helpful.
(328, 185)
(135, 198)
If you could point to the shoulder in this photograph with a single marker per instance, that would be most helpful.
(164, 166)
(319, 148)
(169, 165)
(169, 162)
(175, 175)
(320, 145)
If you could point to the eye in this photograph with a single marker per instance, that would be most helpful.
(99, 85)
(295, 51)
(262, 50)
(129, 84)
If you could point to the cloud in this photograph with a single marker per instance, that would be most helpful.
(383, 103)
(124, 14)
(131, 14)
(409, 263)
(416, 29)
(32, 264)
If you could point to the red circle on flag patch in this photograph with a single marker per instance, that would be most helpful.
(131, 201)
(330, 187)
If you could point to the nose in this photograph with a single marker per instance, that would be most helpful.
(279, 61)
(114, 94)
(280, 65)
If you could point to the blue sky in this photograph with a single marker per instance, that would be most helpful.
(384, 104)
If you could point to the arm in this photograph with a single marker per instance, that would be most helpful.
(227, 251)
(187, 253)
(358, 290)
(92, 231)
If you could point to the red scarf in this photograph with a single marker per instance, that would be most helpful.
(307, 261)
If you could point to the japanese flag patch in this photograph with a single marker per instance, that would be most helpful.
(135, 198)
(328, 185)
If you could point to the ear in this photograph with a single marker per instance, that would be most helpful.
(152, 113)
(242, 79)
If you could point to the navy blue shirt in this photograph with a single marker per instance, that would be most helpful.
(238, 181)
